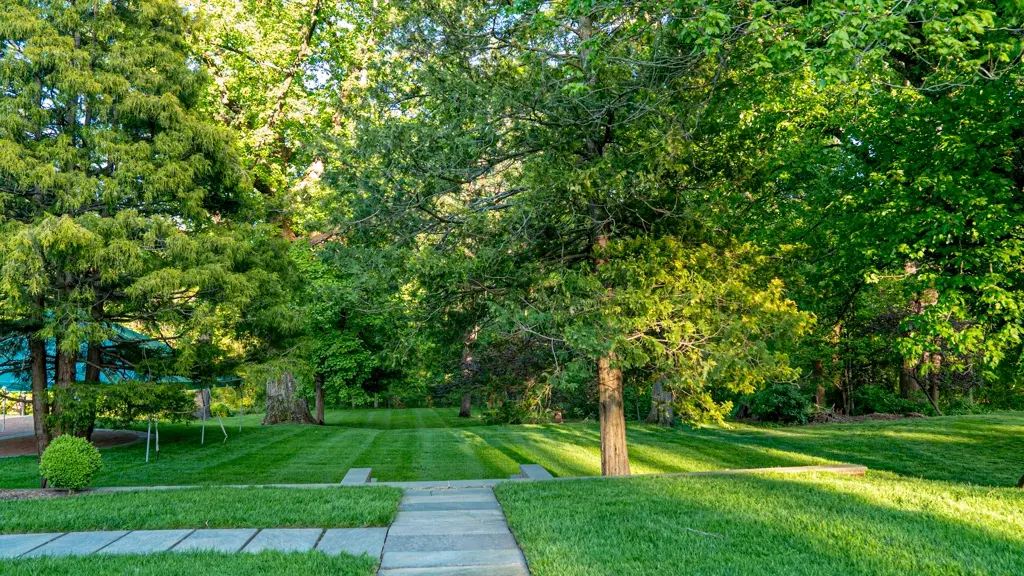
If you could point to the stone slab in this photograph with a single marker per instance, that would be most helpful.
(357, 476)
(428, 497)
(450, 542)
(14, 545)
(448, 516)
(77, 543)
(460, 492)
(444, 506)
(495, 570)
(284, 540)
(534, 472)
(448, 559)
(146, 542)
(490, 527)
(484, 483)
(353, 541)
(219, 540)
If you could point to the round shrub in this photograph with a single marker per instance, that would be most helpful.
(70, 463)
(780, 403)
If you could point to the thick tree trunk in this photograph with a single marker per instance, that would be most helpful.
(908, 378)
(64, 377)
(202, 402)
(467, 406)
(614, 455)
(318, 401)
(282, 405)
(662, 412)
(40, 398)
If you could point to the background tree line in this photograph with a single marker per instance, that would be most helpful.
(609, 209)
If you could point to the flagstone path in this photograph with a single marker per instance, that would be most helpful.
(354, 541)
(451, 532)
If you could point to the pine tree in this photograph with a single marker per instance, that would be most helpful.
(120, 202)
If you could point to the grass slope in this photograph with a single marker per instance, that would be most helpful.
(766, 524)
(185, 564)
(205, 508)
(982, 449)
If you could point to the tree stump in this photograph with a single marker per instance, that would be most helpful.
(282, 405)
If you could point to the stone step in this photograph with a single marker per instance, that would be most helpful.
(433, 516)
(447, 506)
(448, 559)
(493, 570)
(461, 529)
(453, 496)
(450, 542)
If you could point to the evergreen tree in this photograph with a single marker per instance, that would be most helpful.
(120, 202)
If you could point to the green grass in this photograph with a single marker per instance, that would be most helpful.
(205, 508)
(766, 524)
(396, 419)
(981, 449)
(189, 564)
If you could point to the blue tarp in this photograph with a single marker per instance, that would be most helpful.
(14, 365)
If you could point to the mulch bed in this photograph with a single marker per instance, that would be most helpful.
(833, 418)
(32, 494)
(26, 445)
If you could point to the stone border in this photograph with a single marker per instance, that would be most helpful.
(842, 469)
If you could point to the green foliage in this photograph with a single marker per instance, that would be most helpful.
(781, 403)
(70, 463)
(876, 399)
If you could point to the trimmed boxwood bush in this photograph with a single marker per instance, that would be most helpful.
(70, 463)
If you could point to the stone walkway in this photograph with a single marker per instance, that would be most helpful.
(354, 541)
(451, 532)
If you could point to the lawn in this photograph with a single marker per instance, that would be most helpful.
(981, 449)
(182, 564)
(206, 508)
(766, 524)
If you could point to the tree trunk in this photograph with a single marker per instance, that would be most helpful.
(40, 398)
(202, 402)
(468, 369)
(64, 376)
(908, 378)
(934, 379)
(819, 388)
(318, 401)
(375, 400)
(662, 411)
(282, 405)
(614, 456)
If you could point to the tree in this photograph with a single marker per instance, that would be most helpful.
(121, 203)
(539, 152)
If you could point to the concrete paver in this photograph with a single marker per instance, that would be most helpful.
(219, 540)
(146, 542)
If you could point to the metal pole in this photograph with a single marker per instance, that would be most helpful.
(221, 420)
(202, 437)
(4, 410)
(158, 440)
(241, 407)
(149, 429)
